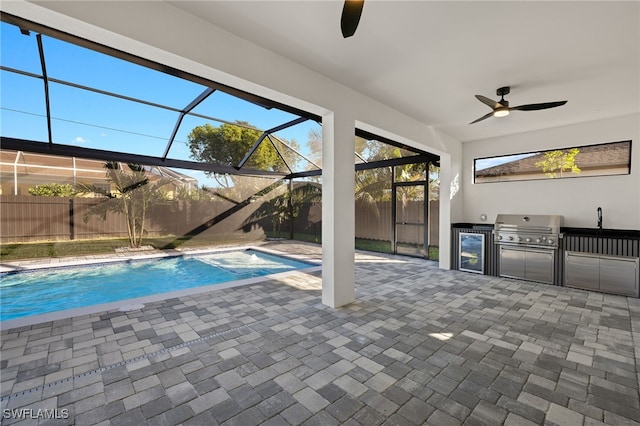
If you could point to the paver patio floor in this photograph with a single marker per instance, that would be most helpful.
(419, 346)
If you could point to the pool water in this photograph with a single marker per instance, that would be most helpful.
(54, 289)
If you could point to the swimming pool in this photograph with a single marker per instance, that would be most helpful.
(29, 293)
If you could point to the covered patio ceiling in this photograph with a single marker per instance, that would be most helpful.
(427, 59)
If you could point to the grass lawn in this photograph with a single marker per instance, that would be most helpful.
(17, 251)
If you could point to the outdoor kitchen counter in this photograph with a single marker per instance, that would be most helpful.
(605, 243)
(612, 242)
(604, 260)
(632, 234)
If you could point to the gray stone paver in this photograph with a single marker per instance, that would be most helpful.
(419, 346)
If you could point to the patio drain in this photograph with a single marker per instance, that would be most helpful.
(146, 356)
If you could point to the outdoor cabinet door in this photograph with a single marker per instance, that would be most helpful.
(512, 262)
(581, 271)
(539, 266)
(619, 276)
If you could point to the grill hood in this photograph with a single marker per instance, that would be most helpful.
(549, 224)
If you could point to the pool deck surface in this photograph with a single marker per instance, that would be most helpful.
(419, 346)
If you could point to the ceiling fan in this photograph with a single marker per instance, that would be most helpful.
(501, 108)
(351, 12)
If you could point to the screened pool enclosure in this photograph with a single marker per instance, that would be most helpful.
(98, 143)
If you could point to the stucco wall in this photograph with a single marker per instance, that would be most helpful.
(577, 199)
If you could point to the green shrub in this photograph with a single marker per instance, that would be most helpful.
(53, 190)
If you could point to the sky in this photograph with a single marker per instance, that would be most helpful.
(92, 120)
(485, 163)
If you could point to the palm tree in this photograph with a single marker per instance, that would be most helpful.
(132, 196)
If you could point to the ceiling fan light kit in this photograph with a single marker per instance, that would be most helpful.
(501, 108)
(501, 112)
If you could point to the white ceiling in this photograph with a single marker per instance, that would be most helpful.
(428, 59)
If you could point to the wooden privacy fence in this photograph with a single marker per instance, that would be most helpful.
(28, 218)
(372, 221)
(25, 218)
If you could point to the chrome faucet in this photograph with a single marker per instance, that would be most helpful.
(600, 218)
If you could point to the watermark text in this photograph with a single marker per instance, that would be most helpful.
(35, 413)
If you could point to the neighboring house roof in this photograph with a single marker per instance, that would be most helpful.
(592, 157)
(171, 174)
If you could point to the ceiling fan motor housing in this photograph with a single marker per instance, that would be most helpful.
(503, 91)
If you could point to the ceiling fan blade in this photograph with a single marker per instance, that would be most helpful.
(489, 102)
(483, 117)
(351, 13)
(535, 107)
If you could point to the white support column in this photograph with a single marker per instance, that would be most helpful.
(448, 183)
(338, 209)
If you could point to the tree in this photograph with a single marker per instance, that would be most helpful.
(373, 185)
(53, 190)
(434, 182)
(559, 160)
(134, 194)
(315, 145)
(227, 145)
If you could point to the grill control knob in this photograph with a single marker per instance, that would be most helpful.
(510, 238)
(528, 240)
(538, 240)
(519, 238)
(550, 241)
(499, 237)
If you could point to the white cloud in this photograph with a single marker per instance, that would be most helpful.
(80, 139)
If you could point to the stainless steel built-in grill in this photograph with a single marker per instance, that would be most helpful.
(528, 230)
(528, 246)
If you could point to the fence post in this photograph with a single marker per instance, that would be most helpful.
(72, 230)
